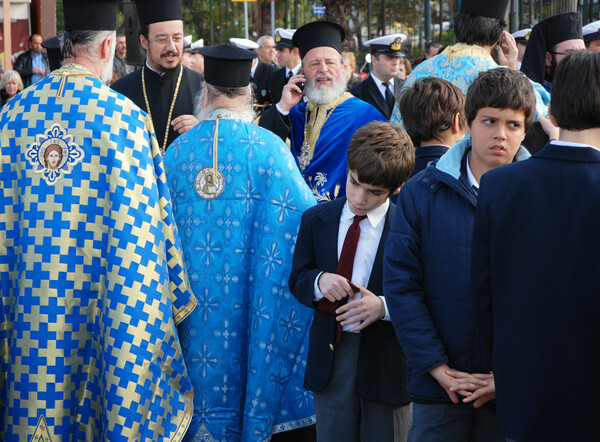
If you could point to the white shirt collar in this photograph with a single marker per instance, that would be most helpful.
(253, 70)
(162, 74)
(375, 216)
(294, 71)
(379, 83)
(472, 181)
(569, 143)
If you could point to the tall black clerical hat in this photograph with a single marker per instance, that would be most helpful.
(544, 36)
(489, 8)
(90, 15)
(319, 33)
(155, 11)
(52, 46)
(227, 66)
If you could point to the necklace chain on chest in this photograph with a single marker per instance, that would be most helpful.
(163, 147)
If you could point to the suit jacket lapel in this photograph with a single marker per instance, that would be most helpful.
(377, 97)
(328, 235)
(375, 280)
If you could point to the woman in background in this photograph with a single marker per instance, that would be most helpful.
(350, 64)
(404, 69)
(10, 85)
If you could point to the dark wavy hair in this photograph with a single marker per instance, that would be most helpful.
(501, 88)
(382, 155)
(476, 29)
(428, 107)
(575, 101)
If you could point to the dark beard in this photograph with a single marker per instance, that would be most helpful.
(550, 70)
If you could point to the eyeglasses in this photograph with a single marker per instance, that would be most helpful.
(164, 40)
(567, 52)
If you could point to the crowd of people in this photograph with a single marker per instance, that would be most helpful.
(247, 242)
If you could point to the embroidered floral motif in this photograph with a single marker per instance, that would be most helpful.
(318, 189)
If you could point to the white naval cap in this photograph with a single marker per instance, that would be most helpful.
(283, 38)
(522, 35)
(192, 47)
(244, 43)
(591, 31)
(388, 44)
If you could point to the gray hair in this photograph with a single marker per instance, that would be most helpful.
(83, 43)
(236, 99)
(263, 38)
(11, 76)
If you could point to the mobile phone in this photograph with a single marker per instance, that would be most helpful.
(301, 85)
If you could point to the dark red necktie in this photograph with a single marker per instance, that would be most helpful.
(344, 268)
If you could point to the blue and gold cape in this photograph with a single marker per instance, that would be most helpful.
(91, 273)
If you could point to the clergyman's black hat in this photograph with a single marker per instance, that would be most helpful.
(227, 66)
(90, 15)
(488, 8)
(317, 34)
(52, 46)
(544, 36)
(155, 11)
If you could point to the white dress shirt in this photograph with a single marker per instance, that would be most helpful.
(381, 86)
(371, 229)
(294, 71)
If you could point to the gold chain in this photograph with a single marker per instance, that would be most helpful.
(216, 139)
(164, 145)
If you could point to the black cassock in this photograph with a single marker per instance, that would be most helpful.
(160, 92)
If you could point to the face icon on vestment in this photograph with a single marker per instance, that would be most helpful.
(53, 156)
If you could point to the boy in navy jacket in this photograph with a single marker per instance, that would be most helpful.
(355, 365)
(535, 277)
(427, 263)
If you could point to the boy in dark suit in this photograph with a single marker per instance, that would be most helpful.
(535, 277)
(358, 374)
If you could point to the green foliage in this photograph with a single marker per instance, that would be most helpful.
(448, 38)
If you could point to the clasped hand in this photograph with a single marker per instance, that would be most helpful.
(477, 388)
(363, 311)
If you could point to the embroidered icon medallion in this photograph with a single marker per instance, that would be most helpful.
(207, 185)
(54, 154)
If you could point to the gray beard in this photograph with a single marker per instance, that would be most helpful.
(325, 95)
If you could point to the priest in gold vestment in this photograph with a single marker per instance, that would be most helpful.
(92, 279)
(320, 128)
